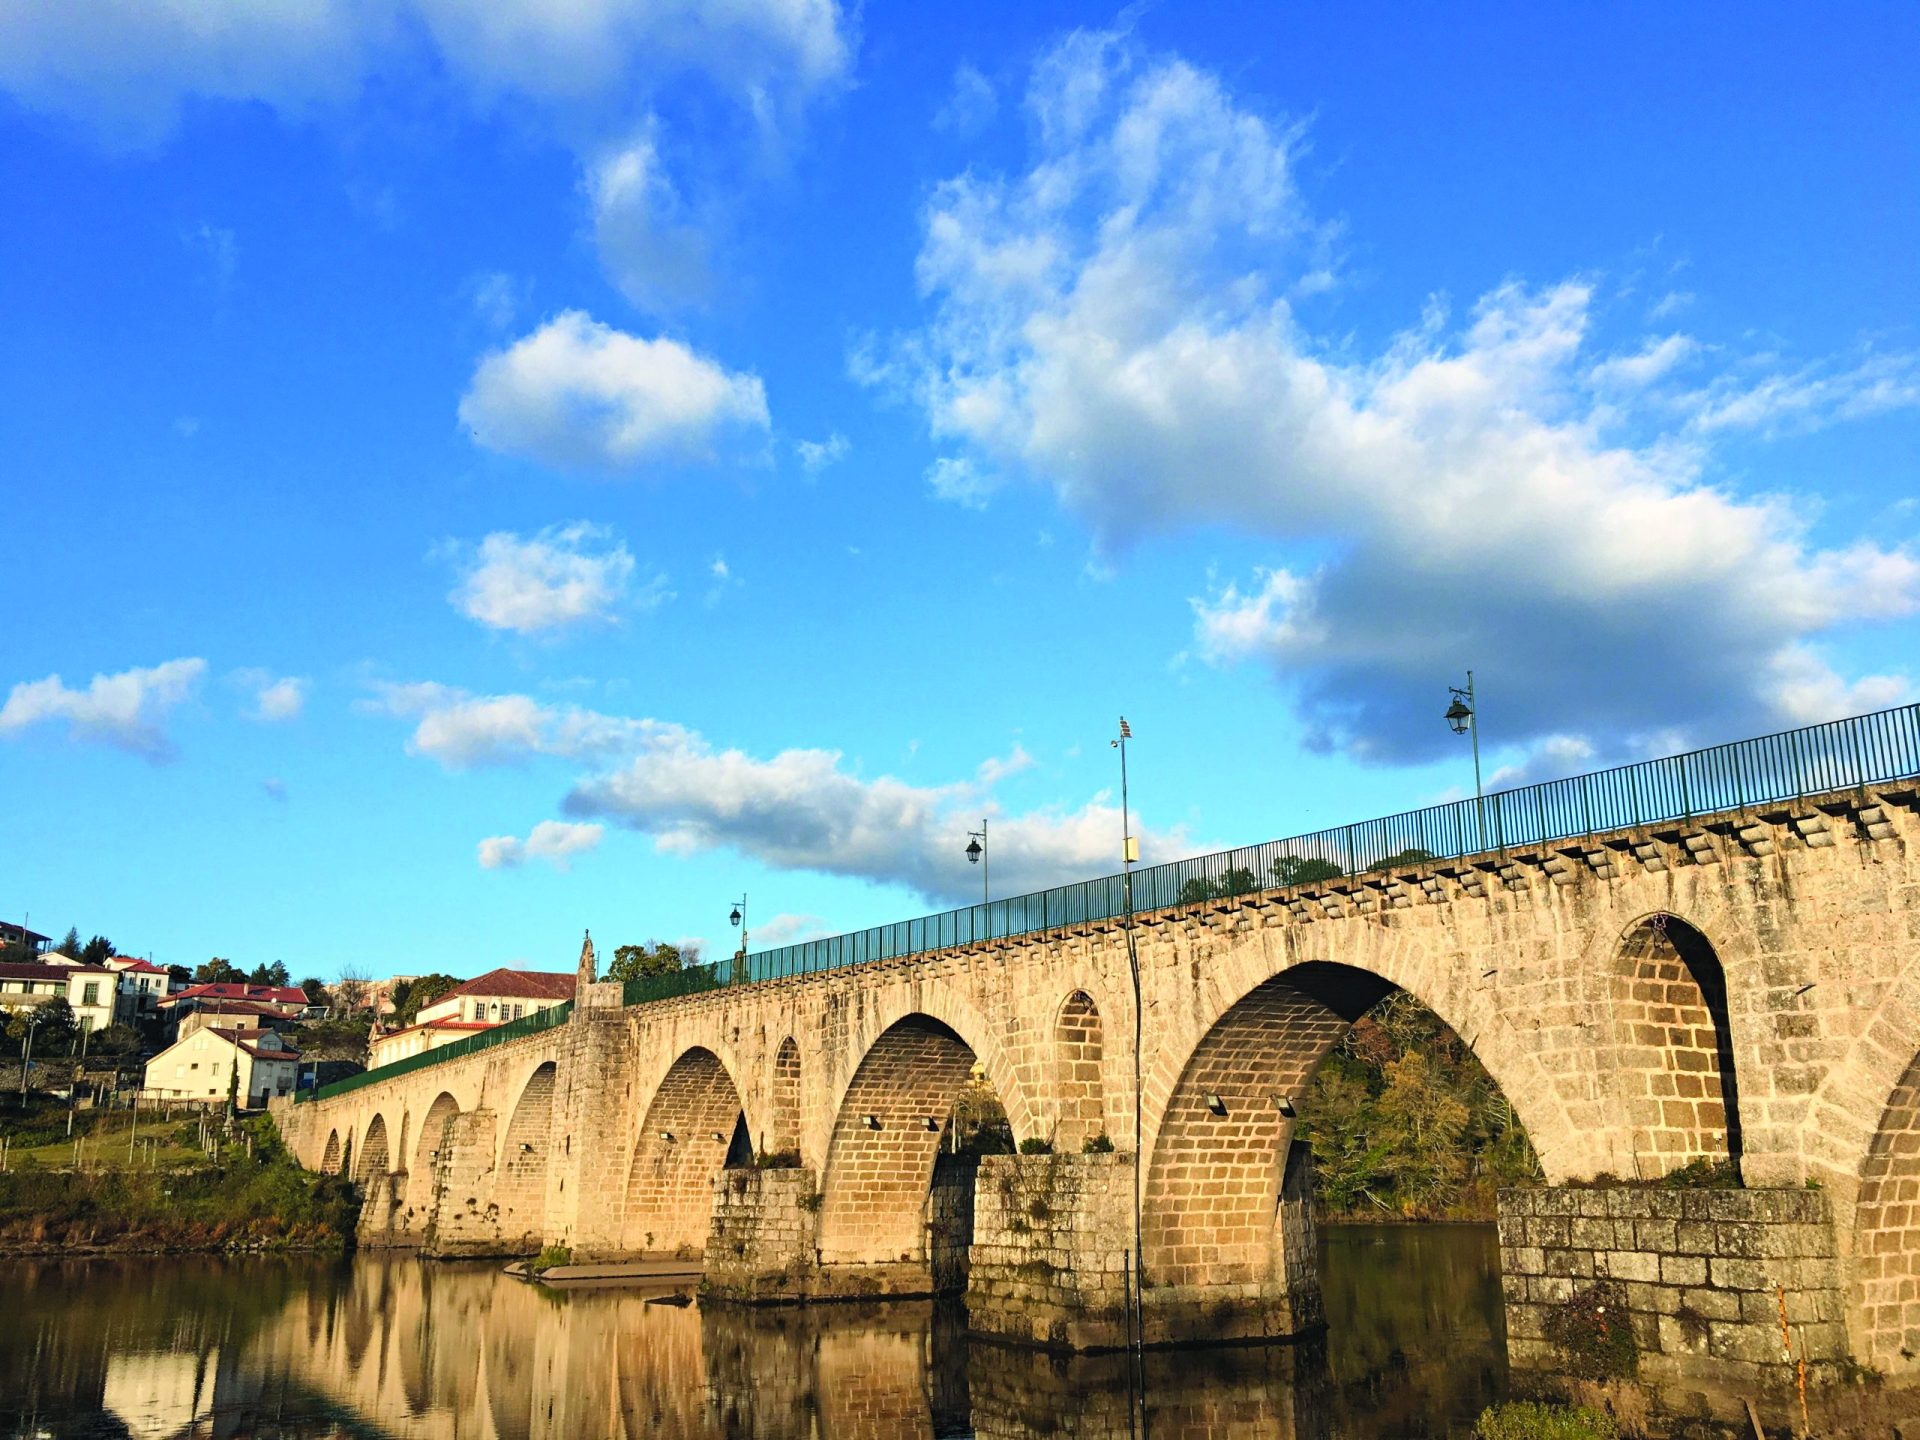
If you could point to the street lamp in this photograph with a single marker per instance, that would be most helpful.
(1129, 852)
(1464, 718)
(739, 918)
(977, 855)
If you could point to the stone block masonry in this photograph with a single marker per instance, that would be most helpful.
(763, 1245)
(1702, 1272)
(1052, 1246)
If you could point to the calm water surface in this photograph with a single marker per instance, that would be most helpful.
(368, 1347)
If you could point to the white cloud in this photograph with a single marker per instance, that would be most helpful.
(995, 769)
(970, 106)
(817, 455)
(801, 809)
(566, 575)
(281, 699)
(1117, 323)
(496, 299)
(785, 929)
(126, 67)
(463, 731)
(555, 841)
(577, 394)
(123, 710)
(654, 249)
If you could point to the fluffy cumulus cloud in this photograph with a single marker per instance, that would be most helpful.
(1124, 323)
(800, 809)
(594, 70)
(564, 576)
(576, 394)
(274, 698)
(125, 711)
(555, 841)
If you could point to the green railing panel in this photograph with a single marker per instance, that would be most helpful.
(1837, 755)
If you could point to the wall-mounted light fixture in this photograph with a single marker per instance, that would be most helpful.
(872, 1122)
(667, 1135)
(1284, 1104)
(933, 1125)
(718, 1136)
(525, 1148)
(1216, 1105)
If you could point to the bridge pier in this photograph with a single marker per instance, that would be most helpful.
(1726, 1291)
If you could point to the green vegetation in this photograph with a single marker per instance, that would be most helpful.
(1405, 1123)
(655, 957)
(1034, 1145)
(1101, 1144)
(410, 997)
(253, 1196)
(550, 1258)
(1593, 1334)
(1530, 1420)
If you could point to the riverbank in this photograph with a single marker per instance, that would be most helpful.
(243, 1194)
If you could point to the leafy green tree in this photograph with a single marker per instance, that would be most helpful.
(410, 997)
(71, 944)
(274, 974)
(98, 950)
(51, 1022)
(315, 990)
(116, 1040)
(1300, 870)
(1405, 860)
(1237, 881)
(180, 975)
(219, 972)
(655, 957)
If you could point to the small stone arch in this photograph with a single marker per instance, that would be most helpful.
(881, 1203)
(695, 1126)
(520, 1186)
(373, 1154)
(1886, 1230)
(1079, 1042)
(1675, 1043)
(330, 1157)
(784, 1133)
(433, 1133)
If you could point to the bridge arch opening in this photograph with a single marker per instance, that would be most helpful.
(1228, 1196)
(898, 1186)
(373, 1154)
(433, 1134)
(1886, 1288)
(1670, 1016)
(695, 1126)
(1079, 1049)
(520, 1189)
(784, 1136)
(330, 1158)
(403, 1177)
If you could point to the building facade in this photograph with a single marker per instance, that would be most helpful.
(210, 1064)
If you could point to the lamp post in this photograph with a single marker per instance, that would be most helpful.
(1129, 852)
(26, 1054)
(739, 918)
(1464, 716)
(977, 855)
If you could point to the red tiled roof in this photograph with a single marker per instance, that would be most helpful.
(442, 1025)
(234, 990)
(48, 972)
(514, 985)
(244, 1039)
(241, 1007)
(139, 967)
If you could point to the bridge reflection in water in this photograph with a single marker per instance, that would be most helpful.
(191, 1348)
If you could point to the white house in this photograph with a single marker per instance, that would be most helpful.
(209, 1065)
(91, 991)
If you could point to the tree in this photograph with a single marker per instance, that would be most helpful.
(71, 944)
(52, 1024)
(1299, 870)
(655, 957)
(274, 974)
(98, 951)
(315, 990)
(1237, 881)
(179, 975)
(1405, 860)
(219, 972)
(410, 997)
(352, 992)
(115, 1040)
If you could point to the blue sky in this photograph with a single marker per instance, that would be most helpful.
(477, 473)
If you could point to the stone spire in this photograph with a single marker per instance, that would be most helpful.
(587, 960)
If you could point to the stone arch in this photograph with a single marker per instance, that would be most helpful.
(878, 1186)
(373, 1153)
(433, 1133)
(1079, 1043)
(1210, 1208)
(1675, 1047)
(520, 1184)
(330, 1158)
(1886, 1235)
(403, 1177)
(785, 1096)
(695, 1126)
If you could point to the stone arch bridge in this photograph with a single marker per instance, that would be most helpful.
(1740, 987)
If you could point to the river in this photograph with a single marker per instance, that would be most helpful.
(300, 1347)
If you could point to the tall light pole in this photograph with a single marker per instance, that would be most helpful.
(1129, 852)
(739, 918)
(26, 1054)
(1464, 716)
(977, 855)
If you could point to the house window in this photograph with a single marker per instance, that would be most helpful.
(90, 993)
